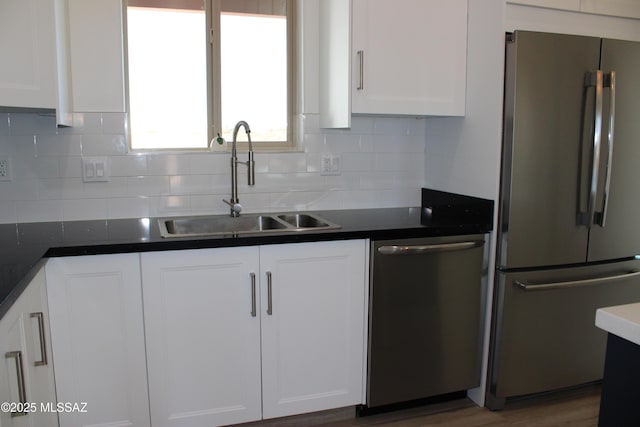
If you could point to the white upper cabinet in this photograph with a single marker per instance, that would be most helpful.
(409, 57)
(620, 8)
(97, 55)
(34, 50)
(406, 57)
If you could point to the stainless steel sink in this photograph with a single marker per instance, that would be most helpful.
(301, 220)
(246, 224)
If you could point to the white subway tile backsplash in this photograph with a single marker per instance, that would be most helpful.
(8, 212)
(171, 205)
(287, 163)
(70, 167)
(211, 163)
(148, 185)
(115, 187)
(32, 124)
(128, 165)
(128, 207)
(58, 145)
(4, 124)
(354, 162)
(39, 210)
(84, 124)
(19, 189)
(168, 164)
(103, 145)
(322, 200)
(80, 209)
(381, 162)
(191, 184)
(60, 189)
(114, 123)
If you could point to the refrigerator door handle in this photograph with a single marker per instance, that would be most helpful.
(573, 283)
(610, 82)
(595, 79)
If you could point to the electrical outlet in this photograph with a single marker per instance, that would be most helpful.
(5, 168)
(330, 164)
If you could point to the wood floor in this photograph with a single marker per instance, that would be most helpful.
(577, 408)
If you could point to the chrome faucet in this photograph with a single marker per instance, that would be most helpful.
(234, 202)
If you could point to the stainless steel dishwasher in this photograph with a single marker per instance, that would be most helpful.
(425, 318)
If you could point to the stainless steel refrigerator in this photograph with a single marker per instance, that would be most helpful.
(569, 231)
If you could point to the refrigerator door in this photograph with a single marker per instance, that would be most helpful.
(545, 336)
(543, 184)
(620, 235)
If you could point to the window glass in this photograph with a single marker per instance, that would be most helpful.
(254, 74)
(171, 103)
(167, 77)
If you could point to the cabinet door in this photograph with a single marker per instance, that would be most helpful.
(95, 305)
(409, 57)
(27, 47)
(313, 299)
(12, 382)
(203, 342)
(97, 62)
(25, 346)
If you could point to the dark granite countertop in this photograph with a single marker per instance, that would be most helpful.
(25, 246)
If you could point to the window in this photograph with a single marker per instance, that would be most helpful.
(197, 67)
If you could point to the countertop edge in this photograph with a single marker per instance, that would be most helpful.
(622, 321)
(22, 284)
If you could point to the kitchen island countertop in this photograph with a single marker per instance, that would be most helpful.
(621, 320)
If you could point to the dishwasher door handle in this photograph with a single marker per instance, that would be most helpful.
(429, 248)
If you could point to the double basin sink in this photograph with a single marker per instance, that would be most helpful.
(219, 225)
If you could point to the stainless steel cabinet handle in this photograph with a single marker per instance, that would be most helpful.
(253, 294)
(574, 283)
(269, 293)
(22, 391)
(440, 247)
(595, 79)
(43, 345)
(610, 82)
(361, 62)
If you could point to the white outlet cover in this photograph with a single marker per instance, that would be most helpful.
(5, 168)
(330, 164)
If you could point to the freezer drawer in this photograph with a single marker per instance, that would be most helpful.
(425, 318)
(544, 334)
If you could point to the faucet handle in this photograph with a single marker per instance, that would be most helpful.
(235, 207)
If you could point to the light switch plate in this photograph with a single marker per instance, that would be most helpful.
(95, 169)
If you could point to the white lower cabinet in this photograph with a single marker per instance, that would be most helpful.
(95, 305)
(203, 344)
(238, 334)
(200, 337)
(26, 373)
(313, 340)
